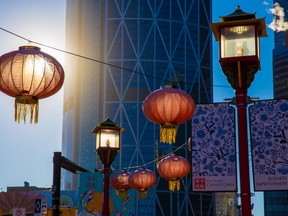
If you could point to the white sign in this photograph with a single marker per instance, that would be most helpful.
(43, 206)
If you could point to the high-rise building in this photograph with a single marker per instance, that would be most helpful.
(280, 56)
(121, 52)
(276, 202)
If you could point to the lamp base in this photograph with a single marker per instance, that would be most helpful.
(107, 155)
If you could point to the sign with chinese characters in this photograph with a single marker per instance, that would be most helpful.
(214, 148)
(269, 144)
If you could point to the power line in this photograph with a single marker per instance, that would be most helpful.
(98, 61)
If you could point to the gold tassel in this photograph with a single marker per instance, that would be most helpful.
(122, 194)
(142, 194)
(24, 105)
(174, 183)
(168, 133)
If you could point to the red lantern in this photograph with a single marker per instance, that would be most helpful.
(168, 107)
(173, 168)
(142, 180)
(120, 183)
(28, 75)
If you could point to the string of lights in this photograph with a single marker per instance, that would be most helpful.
(98, 61)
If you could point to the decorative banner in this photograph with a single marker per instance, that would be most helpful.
(213, 148)
(90, 201)
(269, 143)
(90, 191)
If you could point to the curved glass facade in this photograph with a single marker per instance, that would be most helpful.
(141, 45)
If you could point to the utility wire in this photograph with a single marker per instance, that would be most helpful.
(111, 65)
(171, 153)
(98, 61)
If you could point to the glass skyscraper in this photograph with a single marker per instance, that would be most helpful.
(276, 202)
(121, 51)
(280, 57)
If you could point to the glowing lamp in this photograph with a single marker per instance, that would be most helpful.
(29, 75)
(238, 35)
(107, 135)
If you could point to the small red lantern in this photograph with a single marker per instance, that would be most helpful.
(120, 183)
(28, 75)
(168, 107)
(142, 180)
(173, 168)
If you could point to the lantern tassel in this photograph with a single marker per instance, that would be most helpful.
(122, 194)
(25, 105)
(174, 183)
(142, 194)
(168, 133)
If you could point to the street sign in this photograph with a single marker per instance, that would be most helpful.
(40, 206)
(37, 208)
(18, 211)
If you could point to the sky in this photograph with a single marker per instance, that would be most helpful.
(27, 150)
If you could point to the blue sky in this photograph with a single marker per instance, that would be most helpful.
(27, 150)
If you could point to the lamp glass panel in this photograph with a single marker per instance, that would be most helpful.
(109, 138)
(98, 139)
(238, 41)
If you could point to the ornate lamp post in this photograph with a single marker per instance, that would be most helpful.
(107, 146)
(238, 35)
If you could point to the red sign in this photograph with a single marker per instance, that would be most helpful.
(199, 183)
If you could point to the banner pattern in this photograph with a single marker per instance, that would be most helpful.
(269, 143)
(213, 148)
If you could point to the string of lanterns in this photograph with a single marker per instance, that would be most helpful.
(28, 75)
(171, 167)
(168, 107)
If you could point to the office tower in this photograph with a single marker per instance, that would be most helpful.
(275, 202)
(280, 57)
(125, 50)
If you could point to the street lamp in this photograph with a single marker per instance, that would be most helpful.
(239, 34)
(107, 146)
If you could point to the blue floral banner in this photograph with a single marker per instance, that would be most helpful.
(213, 148)
(269, 143)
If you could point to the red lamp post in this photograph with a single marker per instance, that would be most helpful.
(107, 146)
(238, 34)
